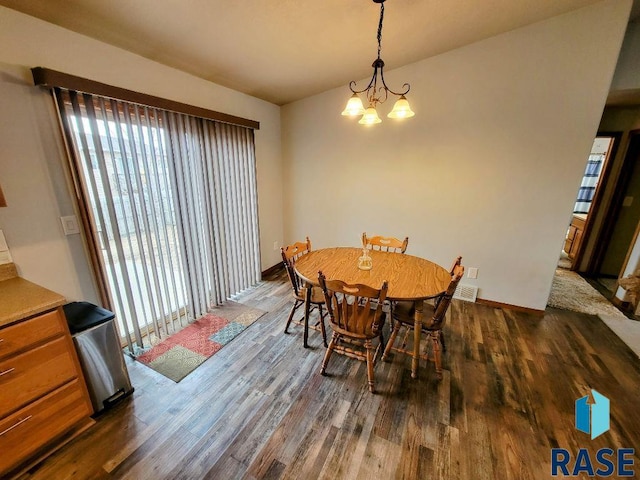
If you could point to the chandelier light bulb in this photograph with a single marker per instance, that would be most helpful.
(370, 116)
(401, 109)
(354, 106)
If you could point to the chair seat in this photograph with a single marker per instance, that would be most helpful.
(404, 312)
(317, 295)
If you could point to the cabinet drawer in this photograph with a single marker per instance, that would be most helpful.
(24, 432)
(21, 336)
(32, 374)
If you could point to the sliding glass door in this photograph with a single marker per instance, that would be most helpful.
(172, 203)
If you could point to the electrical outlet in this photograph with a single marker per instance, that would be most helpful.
(275, 245)
(473, 272)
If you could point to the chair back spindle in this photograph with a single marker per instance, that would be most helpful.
(385, 244)
(350, 306)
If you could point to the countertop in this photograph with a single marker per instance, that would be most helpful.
(20, 298)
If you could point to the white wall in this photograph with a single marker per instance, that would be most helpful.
(488, 168)
(32, 157)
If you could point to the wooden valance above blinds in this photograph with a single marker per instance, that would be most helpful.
(50, 79)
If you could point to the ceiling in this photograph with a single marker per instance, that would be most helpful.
(285, 50)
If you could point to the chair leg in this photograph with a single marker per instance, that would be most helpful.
(295, 307)
(369, 348)
(307, 309)
(405, 337)
(392, 339)
(327, 355)
(322, 327)
(444, 346)
(435, 337)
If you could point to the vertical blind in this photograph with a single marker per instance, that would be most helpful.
(173, 208)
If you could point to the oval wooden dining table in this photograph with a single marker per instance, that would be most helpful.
(410, 279)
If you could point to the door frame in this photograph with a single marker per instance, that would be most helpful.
(615, 206)
(596, 205)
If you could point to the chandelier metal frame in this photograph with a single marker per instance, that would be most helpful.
(378, 65)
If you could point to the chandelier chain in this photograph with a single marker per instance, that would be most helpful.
(380, 29)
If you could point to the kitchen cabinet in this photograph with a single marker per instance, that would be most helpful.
(574, 235)
(44, 401)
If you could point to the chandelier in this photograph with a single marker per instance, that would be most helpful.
(377, 94)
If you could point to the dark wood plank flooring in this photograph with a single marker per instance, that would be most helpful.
(259, 409)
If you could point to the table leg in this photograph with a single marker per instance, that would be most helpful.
(417, 329)
(307, 308)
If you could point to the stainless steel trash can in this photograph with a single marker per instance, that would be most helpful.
(100, 354)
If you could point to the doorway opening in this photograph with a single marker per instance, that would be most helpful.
(615, 246)
(587, 201)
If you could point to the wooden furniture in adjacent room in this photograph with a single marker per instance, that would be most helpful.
(410, 278)
(385, 244)
(290, 254)
(43, 397)
(574, 235)
(354, 321)
(433, 320)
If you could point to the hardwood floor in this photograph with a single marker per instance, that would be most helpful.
(259, 409)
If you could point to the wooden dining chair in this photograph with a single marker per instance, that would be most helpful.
(290, 254)
(405, 306)
(433, 319)
(385, 244)
(456, 263)
(354, 322)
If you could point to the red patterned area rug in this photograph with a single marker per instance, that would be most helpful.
(181, 353)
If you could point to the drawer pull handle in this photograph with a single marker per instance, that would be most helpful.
(15, 425)
(7, 371)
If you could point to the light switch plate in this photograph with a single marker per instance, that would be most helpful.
(70, 225)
